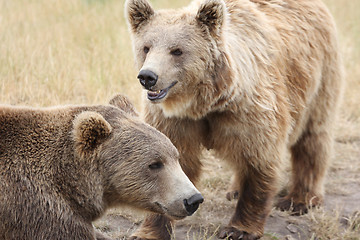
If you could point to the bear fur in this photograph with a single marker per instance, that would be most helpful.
(250, 79)
(62, 167)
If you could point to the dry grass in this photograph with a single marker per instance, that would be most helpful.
(60, 52)
(331, 225)
(56, 52)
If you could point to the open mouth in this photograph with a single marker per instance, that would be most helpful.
(159, 94)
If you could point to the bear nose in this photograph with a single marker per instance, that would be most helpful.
(192, 204)
(147, 78)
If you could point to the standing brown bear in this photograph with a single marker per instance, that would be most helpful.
(249, 79)
(61, 168)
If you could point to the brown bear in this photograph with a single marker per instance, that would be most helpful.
(62, 167)
(250, 79)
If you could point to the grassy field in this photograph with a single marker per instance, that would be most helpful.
(55, 52)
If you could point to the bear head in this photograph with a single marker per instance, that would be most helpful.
(181, 55)
(139, 165)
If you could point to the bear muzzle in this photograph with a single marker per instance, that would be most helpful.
(177, 211)
(147, 78)
(192, 204)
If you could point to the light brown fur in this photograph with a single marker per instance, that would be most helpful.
(255, 78)
(62, 167)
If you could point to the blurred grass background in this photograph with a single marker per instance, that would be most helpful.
(55, 52)
(78, 51)
(59, 52)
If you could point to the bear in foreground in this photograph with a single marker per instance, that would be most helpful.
(62, 167)
(250, 79)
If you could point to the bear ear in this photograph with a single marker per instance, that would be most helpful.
(138, 12)
(124, 104)
(90, 130)
(211, 14)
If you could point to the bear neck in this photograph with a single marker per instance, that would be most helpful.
(82, 187)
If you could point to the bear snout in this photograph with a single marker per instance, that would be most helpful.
(191, 204)
(147, 78)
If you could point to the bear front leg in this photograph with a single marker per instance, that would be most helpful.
(310, 156)
(255, 199)
(154, 227)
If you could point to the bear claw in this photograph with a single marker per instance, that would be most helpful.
(296, 209)
(235, 234)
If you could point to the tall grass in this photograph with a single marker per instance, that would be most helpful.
(59, 52)
(79, 51)
(56, 52)
(347, 16)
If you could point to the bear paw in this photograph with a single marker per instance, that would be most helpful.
(296, 209)
(235, 234)
(232, 195)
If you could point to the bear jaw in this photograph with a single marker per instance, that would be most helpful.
(171, 108)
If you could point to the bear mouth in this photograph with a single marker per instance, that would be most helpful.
(159, 94)
(163, 210)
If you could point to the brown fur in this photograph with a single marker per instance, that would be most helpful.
(255, 78)
(62, 167)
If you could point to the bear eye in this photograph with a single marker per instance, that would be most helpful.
(176, 52)
(156, 165)
(146, 49)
